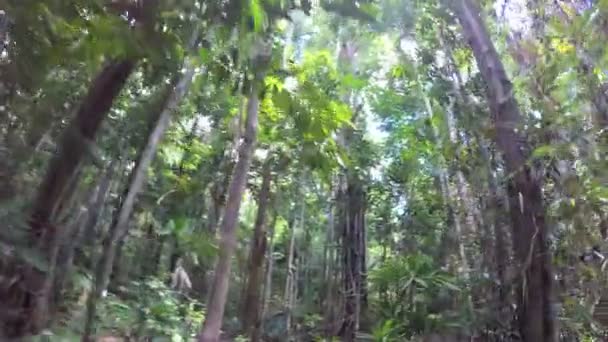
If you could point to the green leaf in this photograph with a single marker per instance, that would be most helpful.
(544, 151)
(421, 282)
(257, 14)
(204, 55)
(350, 81)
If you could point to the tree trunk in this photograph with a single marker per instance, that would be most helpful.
(73, 147)
(120, 224)
(219, 290)
(90, 218)
(353, 256)
(472, 214)
(217, 191)
(80, 134)
(293, 297)
(535, 311)
(330, 277)
(251, 304)
(364, 323)
(289, 280)
(352, 214)
(501, 253)
(493, 207)
(328, 255)
(175, 206)
(448, 195)
(269, 268)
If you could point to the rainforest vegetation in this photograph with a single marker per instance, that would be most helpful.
(303, 170)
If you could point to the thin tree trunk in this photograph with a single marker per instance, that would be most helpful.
(89, 235)
(291, 269)
(251, 304)
(535, 312)
(269, 268)
(90, 219)
(328, 256)
(120, 225)
(175, 206)
(364, 323)
(119, 270)
(293, 297)
(45, 301)
(448, 195)
(473, 217)
(218, 191)
(219, 290)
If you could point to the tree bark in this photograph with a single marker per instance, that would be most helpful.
(353, 256)
(73, 147)
(80, 134)
(217, 191)
(210, 331)
(535, 312)
(251, 304)
(120, 224)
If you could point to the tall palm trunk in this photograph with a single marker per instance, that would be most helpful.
(251, 304)
(219, 289)
(119, 228)
(535, 312)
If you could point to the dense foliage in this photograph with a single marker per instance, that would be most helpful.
(284, 170)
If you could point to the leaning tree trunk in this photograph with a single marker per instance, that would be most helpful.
(493, 206)
(120, 224)
(251, 304)
(535, 312)
(76, 141)
(78, 137)
(219, 289)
